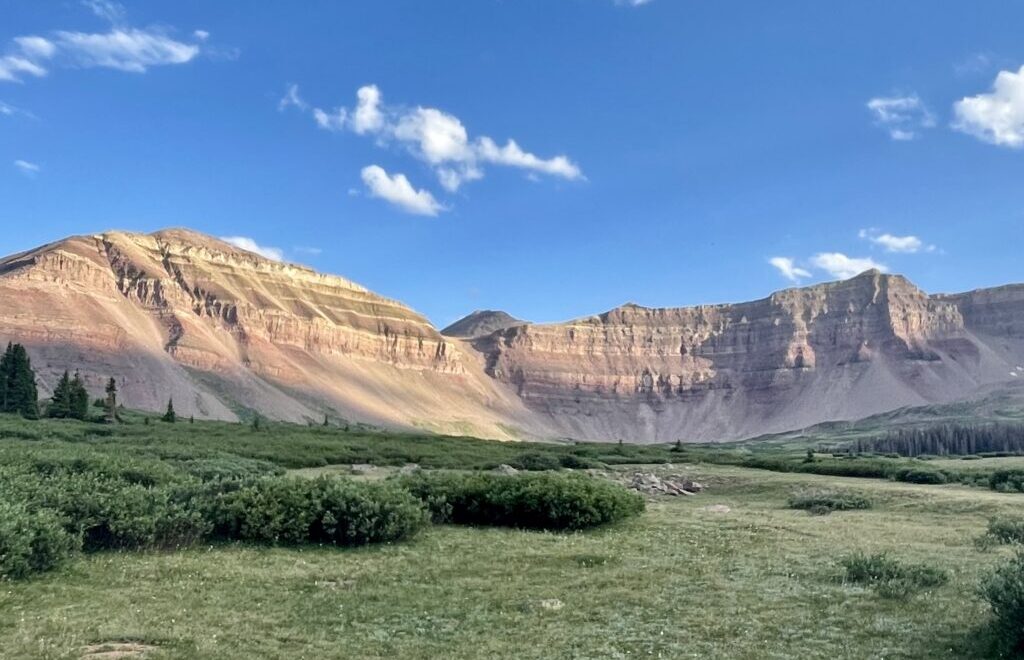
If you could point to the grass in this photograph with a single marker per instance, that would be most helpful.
(680, 581)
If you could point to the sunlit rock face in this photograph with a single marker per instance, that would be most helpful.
(181, 314)
(801, 356)
(225, 333)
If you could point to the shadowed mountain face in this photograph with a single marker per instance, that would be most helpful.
(179, 314)
(480, 323)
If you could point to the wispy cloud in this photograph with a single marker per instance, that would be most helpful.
(122, 47)
(788, 269)
(27, 168)
(292, 99)
(398, 191)
(901, 116)
(890, 243)
(8, 110)
(998, 116)
(250, 245)
(632, 3)
(112, 12)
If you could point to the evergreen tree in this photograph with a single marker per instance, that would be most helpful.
(18, 393)
(111, 402)
(169, 416)
(60, 403)
(326, 423)
(256, 422)
(191, 419)
(79, 398)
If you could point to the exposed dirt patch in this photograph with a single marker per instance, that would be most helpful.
(112, 650)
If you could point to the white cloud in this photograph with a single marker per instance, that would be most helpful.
(291, 98)
(632, 3)
(249, 245)
(901, 116)
(996, 117)
(27, 168)
(840, 266)
(437, 138)
(122, 48)
(892, 243)
(105, 9)
(398, 191)
(367, 118)
(125, 50)
(12, 67)
(789, 269)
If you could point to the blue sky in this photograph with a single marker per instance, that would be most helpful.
(552, 158)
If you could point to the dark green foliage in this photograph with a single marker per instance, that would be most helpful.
(110, 403)
(79, 398)
(890, 577)
(330, 511)
(1005, 529)
(1007, 480)
(575, 462)
(1003, 589)
(536, 461)
(921, 476)
(60, 402)
(529, 501)
(31, 541)
(947, 440)
(170, 416)
(18, 393)
(821, 502)
(70, 399)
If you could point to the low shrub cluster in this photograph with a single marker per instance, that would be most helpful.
(1004, 529)
(1003, 589)
(890, 577)
(531, 501)
(822, 502)
(324, 510)
(31, 541)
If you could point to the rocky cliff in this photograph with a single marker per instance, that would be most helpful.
(833, 351)
(226, 333)
(180, 314)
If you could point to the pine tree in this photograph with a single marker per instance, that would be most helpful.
(79, 398)
(191, 419)
(18, 393)
(111, 402)
(169, 416)
(60, 403)
(326, 423)
(256, 422)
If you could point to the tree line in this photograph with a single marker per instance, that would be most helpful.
(946, 440)
(20, 395)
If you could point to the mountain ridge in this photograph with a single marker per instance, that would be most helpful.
(222, 330)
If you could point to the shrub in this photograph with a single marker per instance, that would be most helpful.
(535, 461)
(333, 511)
(1007, 480)
(822, 502)
(1004, 591)
(1006, 529)
(577, 462)
(530, 501)
(31, 541)
(921, 476)
(892, 578)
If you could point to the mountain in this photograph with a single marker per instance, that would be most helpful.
(223, 331)
(837, 351)
(227, 333)
(480, 323)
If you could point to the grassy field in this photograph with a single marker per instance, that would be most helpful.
(758, 581)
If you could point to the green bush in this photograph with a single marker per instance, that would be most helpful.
(536, 461)
(1005, 529)
(890, 577)
(529, 501)
(1007, 480)
(31, 541)
(1003, 589)
(921, 476)
(577, 462)
(821, 502)
(331, 511)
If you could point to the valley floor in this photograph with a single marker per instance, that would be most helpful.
(683, 580)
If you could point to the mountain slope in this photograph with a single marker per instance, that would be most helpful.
(179, 314)
(226, 333)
